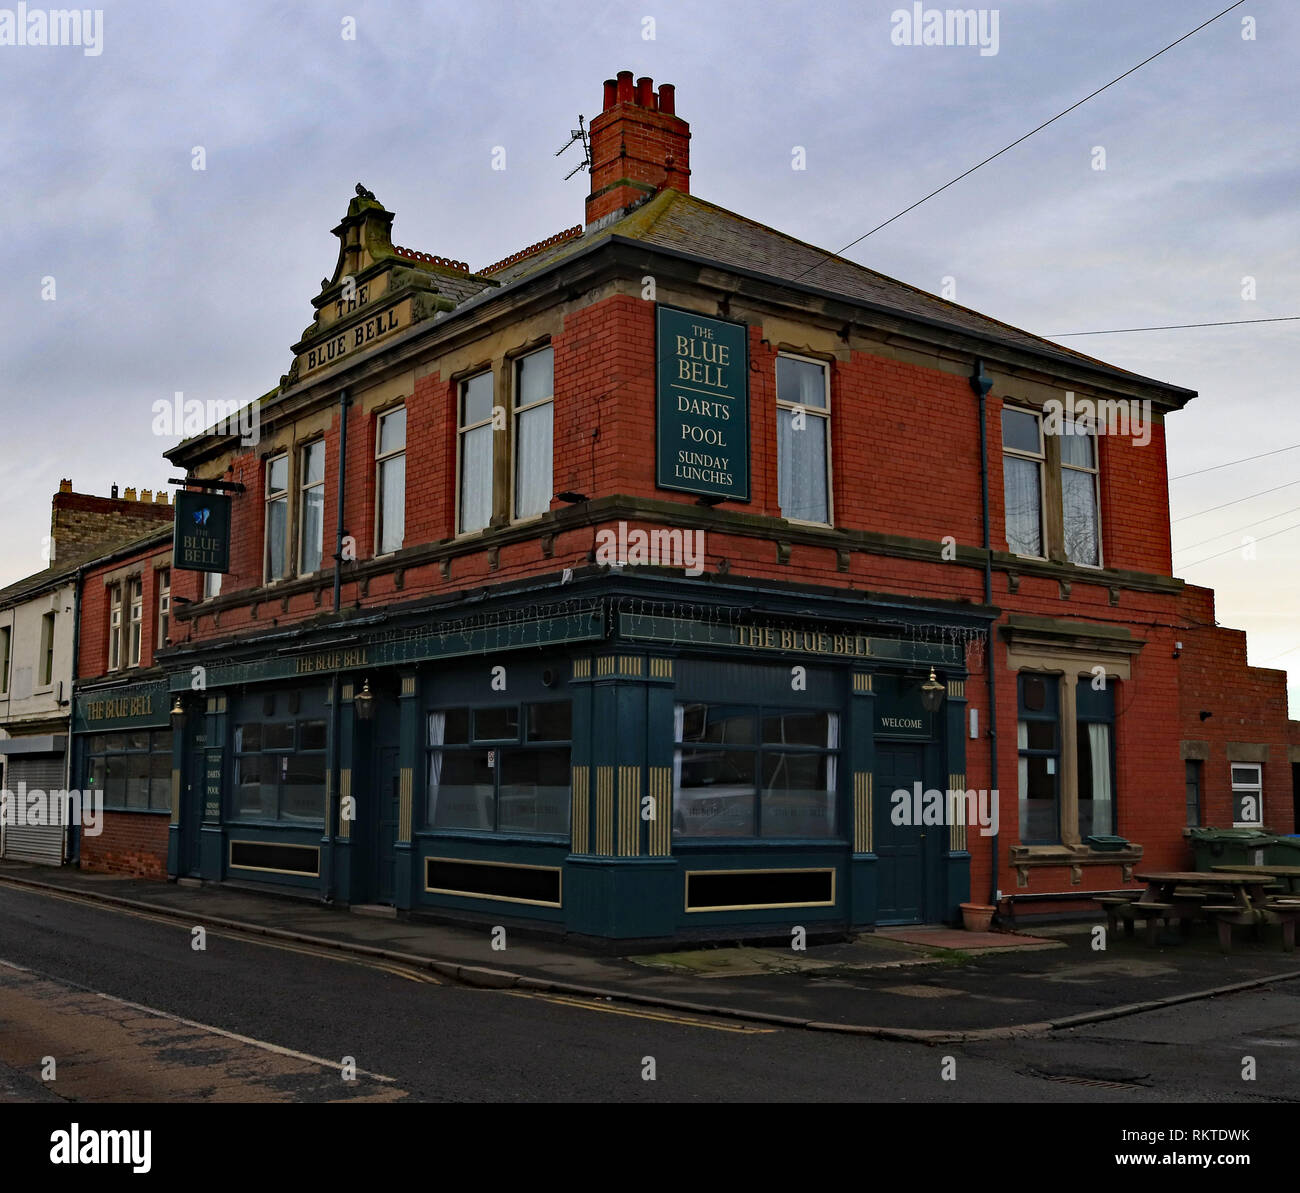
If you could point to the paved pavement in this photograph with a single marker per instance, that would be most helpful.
(890, 982)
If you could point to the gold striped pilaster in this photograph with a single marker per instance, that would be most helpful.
(405, 788)
(661, 792)
(216, 704)
(957, 689)
(581, 668)
(581, 810)
(176, 796)
(623, 664)
(862, 811)
(629, 811)
(605, 811)
(349, 692)
(957, 829)
(661, 668)
(862, 681)
(408, 685)
(345, 792)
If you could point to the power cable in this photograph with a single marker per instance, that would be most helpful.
(1238, 501)
(1118, 331)
(1192, 546)
(1018, 140)
(1230, 463)
(1230, 550)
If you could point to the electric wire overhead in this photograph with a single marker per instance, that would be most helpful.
(1018, 140)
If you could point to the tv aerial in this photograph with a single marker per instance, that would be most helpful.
(578, 135)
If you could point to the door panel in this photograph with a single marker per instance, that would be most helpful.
(387, 801)
(900, 848)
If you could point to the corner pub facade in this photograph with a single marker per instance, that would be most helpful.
(617, 587)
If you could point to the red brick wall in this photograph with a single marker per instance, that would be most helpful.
(132, 843)
(905, 458)
(93, 652)
(1247, 705)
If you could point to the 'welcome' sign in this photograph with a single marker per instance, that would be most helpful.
(702, 395)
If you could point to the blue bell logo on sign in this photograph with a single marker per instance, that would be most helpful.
(201, 542)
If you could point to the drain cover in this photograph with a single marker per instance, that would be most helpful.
(1102, 1078)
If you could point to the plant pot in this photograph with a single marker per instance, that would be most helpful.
(977, 917)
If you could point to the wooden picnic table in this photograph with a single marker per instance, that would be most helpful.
(1246, 889)
(1251, 905)
(1289, 874)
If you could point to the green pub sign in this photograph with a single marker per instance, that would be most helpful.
(702, 405)
(201, 539)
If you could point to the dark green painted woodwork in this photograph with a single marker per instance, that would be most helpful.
(622, 718)
(127, 706)
(201, 538)
(701, 404)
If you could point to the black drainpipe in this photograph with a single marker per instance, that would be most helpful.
(336, 686)
(981, 383)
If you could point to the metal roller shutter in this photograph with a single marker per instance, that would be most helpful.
(35, 843)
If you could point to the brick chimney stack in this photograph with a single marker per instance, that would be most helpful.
(639, 146)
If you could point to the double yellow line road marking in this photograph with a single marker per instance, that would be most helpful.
(411, 974)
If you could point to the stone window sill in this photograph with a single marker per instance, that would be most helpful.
(1071, 855)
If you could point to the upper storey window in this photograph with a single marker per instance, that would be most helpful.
(803, 431)
(534, 432)
(474, 441)
(390, 482)
(1022, 480)
(277, 518)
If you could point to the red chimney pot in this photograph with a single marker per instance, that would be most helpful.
(626, 93)
(666, 101)
(611, 90)
(645, 92)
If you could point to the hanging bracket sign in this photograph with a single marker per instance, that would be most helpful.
(201, 539)
(702, 405)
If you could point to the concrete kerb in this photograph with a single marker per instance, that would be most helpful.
(502, 979)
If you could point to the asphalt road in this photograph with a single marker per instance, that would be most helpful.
(129, 1010)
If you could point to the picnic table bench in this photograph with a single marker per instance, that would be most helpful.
(1238, 895)
(1287, 875)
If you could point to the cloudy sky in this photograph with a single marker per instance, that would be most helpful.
(169, 278)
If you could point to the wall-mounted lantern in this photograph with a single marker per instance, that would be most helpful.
(932, 693)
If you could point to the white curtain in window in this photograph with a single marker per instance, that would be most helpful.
(277, 514)
(801, 467)
(476, 479)
(679, 726)
(392, 508)
(1099, 745)
(437, 735)
(534, 455)
(313, 528)
(1079, 511)
(1023, 495)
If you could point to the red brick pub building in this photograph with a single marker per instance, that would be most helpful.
(644, 585)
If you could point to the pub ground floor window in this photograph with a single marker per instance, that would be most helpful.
(132, 770)
(746, 771)
(1065, 738)
(504, 769)
(280, 758)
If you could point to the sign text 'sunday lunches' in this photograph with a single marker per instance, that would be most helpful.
(703, 406)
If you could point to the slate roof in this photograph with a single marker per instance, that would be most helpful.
(63, 570)
(688, 224)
